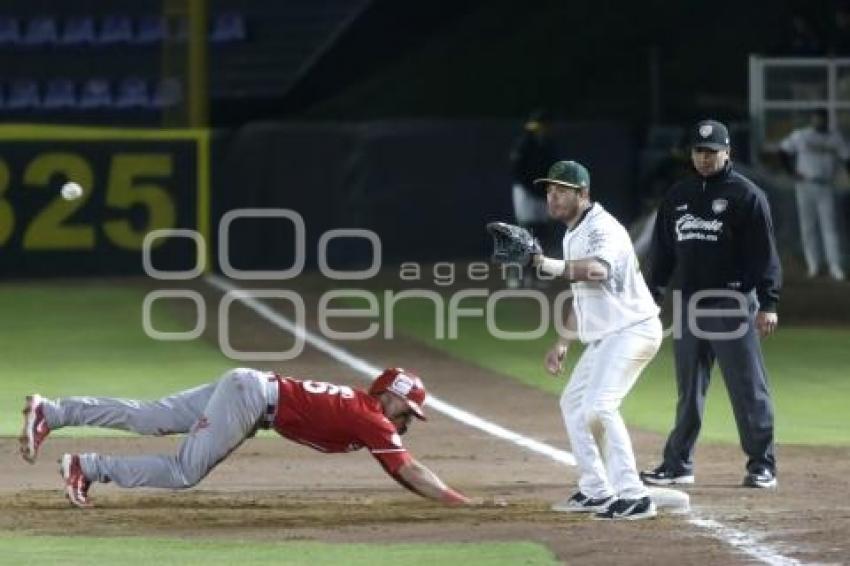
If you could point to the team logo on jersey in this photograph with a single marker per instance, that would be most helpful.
(718, 205)
(682, 207)
(595, 241)
(705, 130)
(690, 227)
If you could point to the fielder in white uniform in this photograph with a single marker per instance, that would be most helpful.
(614, 315)
(813, 155)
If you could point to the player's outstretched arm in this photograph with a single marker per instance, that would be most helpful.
(590, 269)
(422, 481)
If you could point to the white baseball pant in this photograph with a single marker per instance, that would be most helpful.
(816, 208)
(604, 375)
(218, 417)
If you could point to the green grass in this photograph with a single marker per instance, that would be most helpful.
(59, 340)
(70, 551)
(808, 370)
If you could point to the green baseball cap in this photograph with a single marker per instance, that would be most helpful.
(567, 173)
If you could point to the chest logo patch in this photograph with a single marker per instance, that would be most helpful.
(718, 205)
(690, 227)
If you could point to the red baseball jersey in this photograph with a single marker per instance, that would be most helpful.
(337, 418)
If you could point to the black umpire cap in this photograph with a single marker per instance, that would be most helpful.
(710, 134)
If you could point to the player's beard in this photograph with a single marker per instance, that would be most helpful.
(566, 213)
(558, 212)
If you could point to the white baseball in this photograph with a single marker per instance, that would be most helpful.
(71, 190)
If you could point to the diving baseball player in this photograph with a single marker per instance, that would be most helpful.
(219, 416)
(812, 155)
(613, 314)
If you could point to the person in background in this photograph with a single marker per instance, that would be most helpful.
(715, 227)
(812, 155)
(666, 170)
(532, 153)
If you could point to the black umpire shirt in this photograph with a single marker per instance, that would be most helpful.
(719, 232)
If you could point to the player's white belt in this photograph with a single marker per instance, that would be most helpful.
(272, 391)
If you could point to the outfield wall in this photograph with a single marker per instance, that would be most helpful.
(425, 187)
(134, 181)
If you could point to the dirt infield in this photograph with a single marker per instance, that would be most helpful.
(272, 489)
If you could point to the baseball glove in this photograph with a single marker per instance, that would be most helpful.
(512, 244)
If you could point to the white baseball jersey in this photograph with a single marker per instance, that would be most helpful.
(604, 307)
(818, 154)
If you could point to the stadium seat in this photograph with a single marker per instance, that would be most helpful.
(59, 93)
(116, 29)
(132, 93)
(227, 28)
(10, 31)
(151, 30)
(169, 92)
(96, 93)
(40, 31)
(23, 94)
(78, 31)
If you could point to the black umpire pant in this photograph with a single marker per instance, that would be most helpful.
(738, 352)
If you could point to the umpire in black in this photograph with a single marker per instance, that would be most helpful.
(715, 227)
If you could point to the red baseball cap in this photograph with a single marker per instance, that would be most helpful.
(403, 383)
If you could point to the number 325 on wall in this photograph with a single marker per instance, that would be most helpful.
(132, 180)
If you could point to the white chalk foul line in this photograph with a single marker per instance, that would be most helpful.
(744, 542)
(736, 538)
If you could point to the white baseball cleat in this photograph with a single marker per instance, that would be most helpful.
(629, 510)
(35, 428)
(580, 503)
(76, 483)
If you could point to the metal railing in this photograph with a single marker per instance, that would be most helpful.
(784, 91)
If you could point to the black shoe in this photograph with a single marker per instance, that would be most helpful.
(629, 510)
(580, 503)
(662, 476)
(764, 479)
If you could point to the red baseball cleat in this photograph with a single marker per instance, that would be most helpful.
(76, 484)
(35, 428)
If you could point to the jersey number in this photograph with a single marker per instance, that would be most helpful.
(320, 387)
